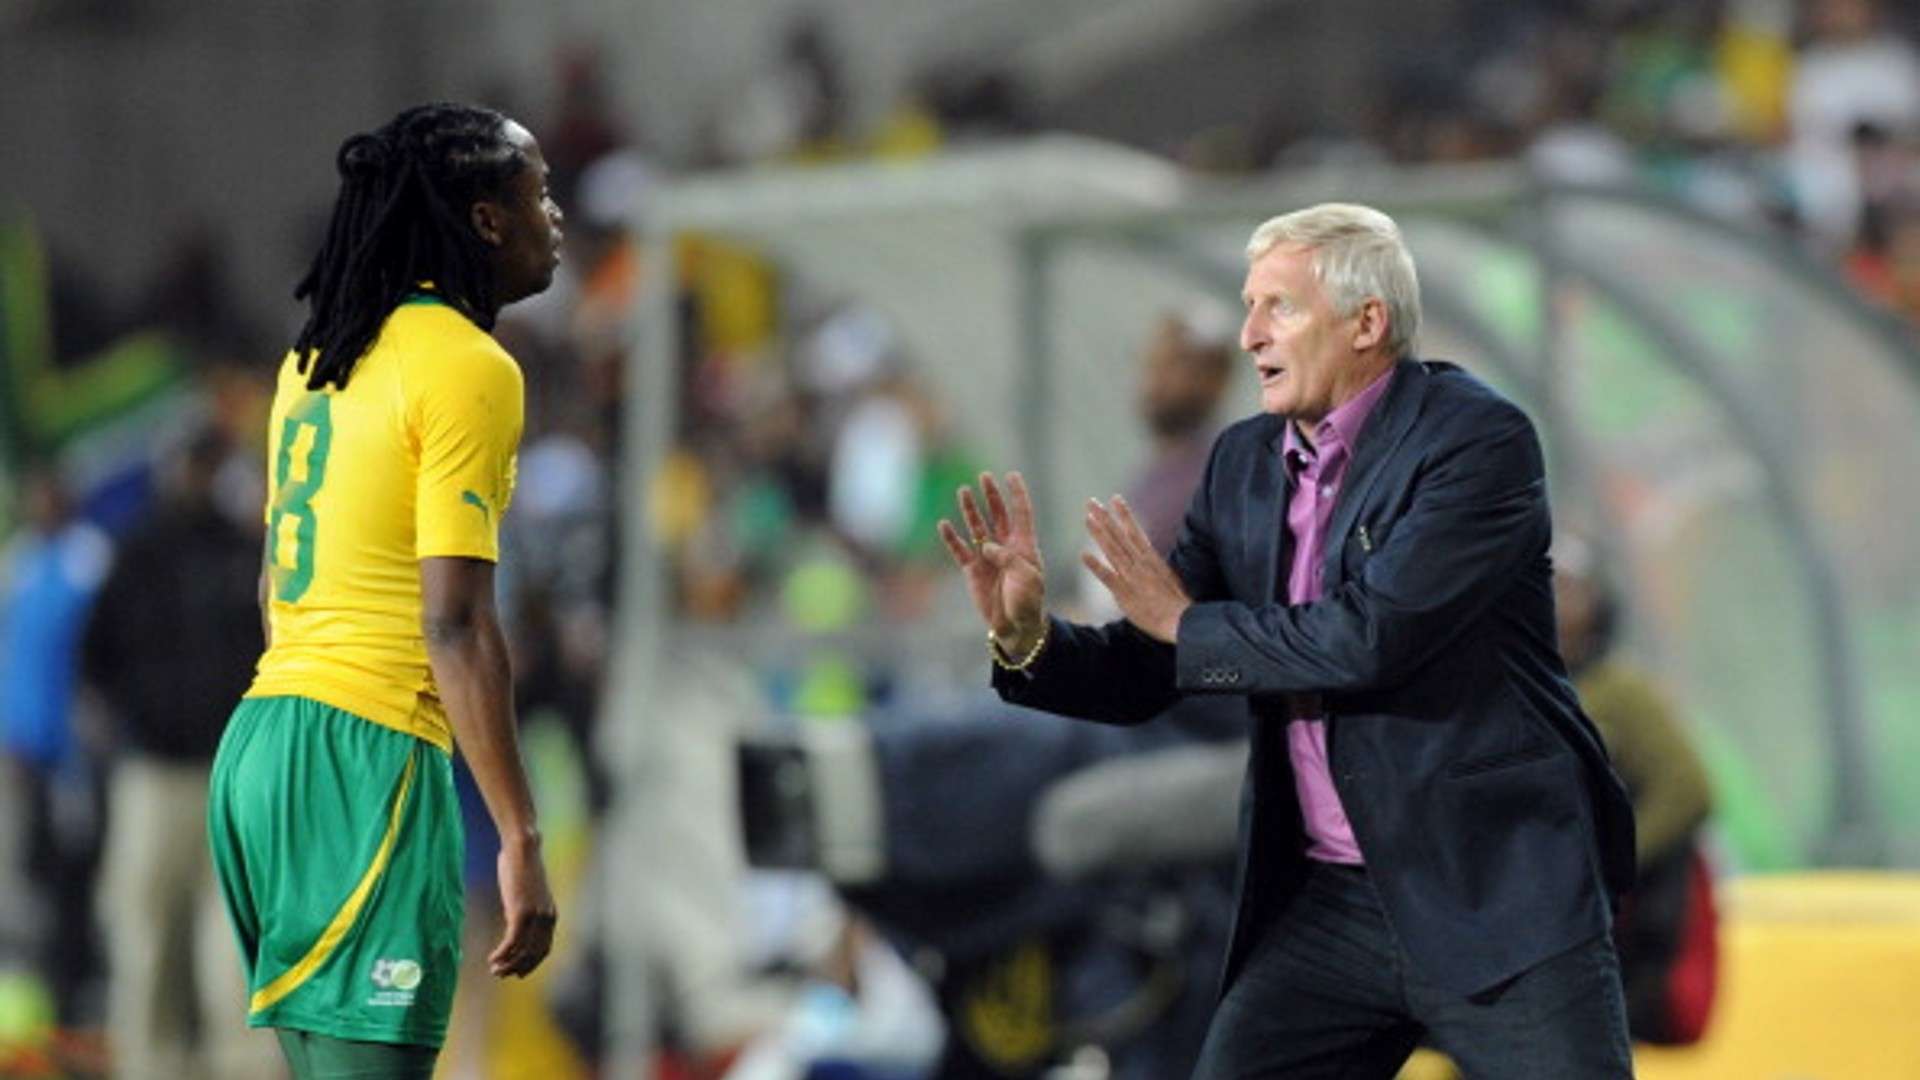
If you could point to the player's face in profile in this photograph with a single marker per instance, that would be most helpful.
(529, 247)
(1297, 342)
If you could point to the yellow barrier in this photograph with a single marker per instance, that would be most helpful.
(1819, 980)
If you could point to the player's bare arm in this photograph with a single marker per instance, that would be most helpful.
(468, 653)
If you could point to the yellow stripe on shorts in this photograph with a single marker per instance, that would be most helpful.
(343, 920)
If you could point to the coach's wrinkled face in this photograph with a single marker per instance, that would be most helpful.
(1310, 358)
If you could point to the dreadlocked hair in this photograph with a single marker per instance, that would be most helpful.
(401, 219)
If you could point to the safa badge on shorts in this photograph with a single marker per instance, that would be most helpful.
(397, 980)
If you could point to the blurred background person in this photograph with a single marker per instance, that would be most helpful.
(1667, 930)
(49, 575)
(1186, 365)
(1854, 70)
(1184, 373)
(176, 1002)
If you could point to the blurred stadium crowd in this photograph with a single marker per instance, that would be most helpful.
(808, 467)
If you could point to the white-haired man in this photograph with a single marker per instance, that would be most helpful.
(1432, 834)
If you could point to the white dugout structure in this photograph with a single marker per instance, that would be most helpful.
(1729, 422)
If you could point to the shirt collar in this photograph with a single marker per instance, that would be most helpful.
(1338, 429)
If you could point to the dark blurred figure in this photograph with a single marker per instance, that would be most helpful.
(48, 577)
(1666, 931)
(192, 294)
(1184, 373)
(585, 125)
(794, 107)
(169, 648)
(810, 54)
(976, 102)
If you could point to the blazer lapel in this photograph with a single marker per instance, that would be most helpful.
(1381, 434)
(1271, 547)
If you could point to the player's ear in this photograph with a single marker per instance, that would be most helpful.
(489, 222)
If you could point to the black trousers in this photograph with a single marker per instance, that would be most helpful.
(1328, 993)
(62, 858)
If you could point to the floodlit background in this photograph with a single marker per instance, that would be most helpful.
(826, 261)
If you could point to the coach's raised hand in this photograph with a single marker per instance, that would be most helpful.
(1001, 558)
(1146, 589)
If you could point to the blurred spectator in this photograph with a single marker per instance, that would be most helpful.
(1570, 143)
(558, 570)
(1666, 929)
(1184, 371)
(169, 648)
(794, 106)
(613, 196)
(977, 101)
(191, 293)
(894, 464)
(1663, 89)
(1885, 265)
(875, 467)
(860, 1010)
(585, 126)
(1852, 71)
(48, 577)
(1183, 375)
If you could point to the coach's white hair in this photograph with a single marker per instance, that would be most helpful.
(1357, 253)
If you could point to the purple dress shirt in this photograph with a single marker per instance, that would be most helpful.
(1317, 471)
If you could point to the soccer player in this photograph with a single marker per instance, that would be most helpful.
(394, 428)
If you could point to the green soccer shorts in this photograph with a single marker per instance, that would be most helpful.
(338, 844)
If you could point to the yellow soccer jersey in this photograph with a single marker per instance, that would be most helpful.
(414, 459)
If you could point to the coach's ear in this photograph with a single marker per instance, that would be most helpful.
(1370, 329)
(489, 221)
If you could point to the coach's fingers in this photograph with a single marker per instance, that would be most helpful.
(997, 515)
(1099, 568)
(1021, 507)
(1130, 529)
(961, 551)
(1106, 535)
(970, 513)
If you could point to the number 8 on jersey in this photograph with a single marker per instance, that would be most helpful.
(299, 469)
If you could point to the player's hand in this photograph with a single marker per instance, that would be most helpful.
(1147, 590)
(1000, 557)
(527, 904)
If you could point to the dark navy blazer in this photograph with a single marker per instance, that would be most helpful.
(1482, 798)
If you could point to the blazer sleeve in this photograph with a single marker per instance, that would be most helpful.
(1477, 513)
(1114, 673)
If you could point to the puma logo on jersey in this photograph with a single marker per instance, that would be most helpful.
(468, 496)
